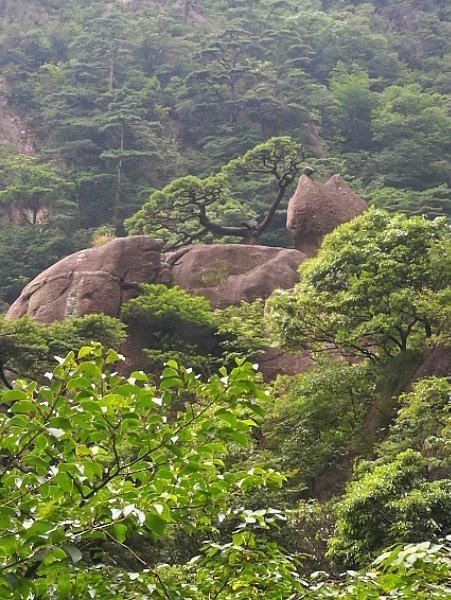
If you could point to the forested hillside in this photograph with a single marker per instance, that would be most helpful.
(191, 408)
(119, 98)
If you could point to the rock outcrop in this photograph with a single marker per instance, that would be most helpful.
(99, 280)
(12, 128)
(435, 363)
(229, 273)
(276, 361)
(318, 208)
(96, 280)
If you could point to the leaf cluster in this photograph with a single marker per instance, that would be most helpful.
(370, 290)
(91, 457)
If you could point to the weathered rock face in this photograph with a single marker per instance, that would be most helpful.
(12, 127)
(99, 280)
(96, 280)
(436, 362)
(229, 273)
(318, 208)
(275, 361)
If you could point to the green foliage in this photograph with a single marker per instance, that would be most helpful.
(159, 301)
(28, 348)
(190, 208)
(355, 101)
(391, 502)
(414, 127)
(173, 214)
(315, 419)
(102, 235)
(373, 288)
(244, 568)
(215, 276)
(123, 98)
(91, 458)
(38, 215)
(243, 328)
(404, 494)
(172, 323)
(413, 571)
(32, 192)
(433, 202)
(422, 423)
(141, 106)
(26, 251)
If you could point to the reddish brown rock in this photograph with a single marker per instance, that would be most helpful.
(99, 280)
(318, 208)
(229, 273)
(96, 280)
(276, 361)
(436, 362)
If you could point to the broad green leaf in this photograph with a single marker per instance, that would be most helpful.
(12, 395)
(23, 406)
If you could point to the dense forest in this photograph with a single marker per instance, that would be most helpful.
(198, 477)
(120, 98)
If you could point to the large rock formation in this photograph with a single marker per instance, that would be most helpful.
(96, 280)
(229, 273)
(318, 208)
(99, 280)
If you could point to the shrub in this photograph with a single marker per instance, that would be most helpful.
(404, 494)
(91, 457)
(316, 417)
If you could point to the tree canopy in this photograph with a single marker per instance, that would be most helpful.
(373, 290)
(137, 104)
(190, 208)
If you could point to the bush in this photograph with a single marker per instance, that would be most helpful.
(174, 324)
(102, 235)
(403, 495)
(316, 417)
(422, 423)
(28, 348)
(408, 572)
(92, 458)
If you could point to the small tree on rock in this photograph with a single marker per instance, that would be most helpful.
(191, 208)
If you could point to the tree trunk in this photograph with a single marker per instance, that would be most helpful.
(232, 100)
(118, 195)
(251, 240)
(112, 70)
(35, 210)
